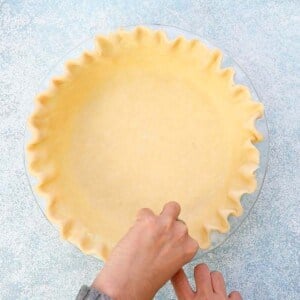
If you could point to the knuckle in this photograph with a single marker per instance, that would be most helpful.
(141, 210)
(192, 248)
(149, 221)
(152, 227)
(141, 213)
(182, 230)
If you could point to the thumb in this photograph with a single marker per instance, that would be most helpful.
(182, 286)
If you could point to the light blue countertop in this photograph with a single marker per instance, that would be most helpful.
(262, 258)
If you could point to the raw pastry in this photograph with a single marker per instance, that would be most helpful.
(140, 121)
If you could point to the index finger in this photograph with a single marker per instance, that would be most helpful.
(182, 286)
(171, 209)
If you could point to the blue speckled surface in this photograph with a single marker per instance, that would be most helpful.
(261, 259)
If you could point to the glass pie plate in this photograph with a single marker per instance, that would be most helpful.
(248, 200)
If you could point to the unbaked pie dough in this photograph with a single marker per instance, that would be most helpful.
(140, 121)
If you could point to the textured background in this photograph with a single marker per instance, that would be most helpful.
(261, 259)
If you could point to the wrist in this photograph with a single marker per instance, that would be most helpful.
(119, 288)
(109, 287)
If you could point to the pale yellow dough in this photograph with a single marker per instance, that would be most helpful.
(139, 122)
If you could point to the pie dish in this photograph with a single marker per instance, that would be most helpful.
(140, 121)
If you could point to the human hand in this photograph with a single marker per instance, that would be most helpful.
(209, 285)
(153, 250)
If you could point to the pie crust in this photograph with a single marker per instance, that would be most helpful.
(140, 121)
